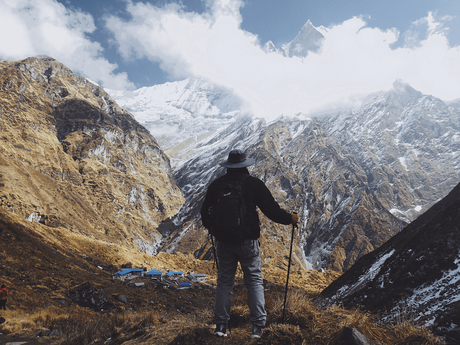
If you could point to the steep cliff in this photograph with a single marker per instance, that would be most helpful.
(417, 270)
(72, 158)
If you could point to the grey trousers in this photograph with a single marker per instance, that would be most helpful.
(248, 255)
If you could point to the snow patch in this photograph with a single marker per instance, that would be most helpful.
(34, 217)
(436, 296)
(149, 248)
(133, 196)
(111, 135)
(403, 162)
(365, 278)
(101, 152)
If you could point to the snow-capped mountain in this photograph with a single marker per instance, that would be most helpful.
(357, 177)
(408, 145)
(175, 111)
(306, 171)
(309, 39)
(418, 270)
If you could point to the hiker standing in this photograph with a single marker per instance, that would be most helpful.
(235, 225)
(3, 297)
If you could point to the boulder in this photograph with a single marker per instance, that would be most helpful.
(87, 295)
(350, 336)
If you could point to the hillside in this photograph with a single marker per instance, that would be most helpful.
(417, 270)
(45, 267)
(70, 157)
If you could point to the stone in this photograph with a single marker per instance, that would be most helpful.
(350, 336)
(87, 295)
(122, 298)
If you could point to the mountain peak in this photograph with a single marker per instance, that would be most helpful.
(269, 47)
(401, 86)
(45, 58)
(308, 39)
(402, 93)
(308, 25)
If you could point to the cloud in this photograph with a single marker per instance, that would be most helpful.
(354, 60)
(421, 29)
(34, 27)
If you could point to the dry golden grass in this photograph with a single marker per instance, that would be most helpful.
(304, 323)
(323, 325)
(58, 260)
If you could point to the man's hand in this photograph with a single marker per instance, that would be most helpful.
(295, 218)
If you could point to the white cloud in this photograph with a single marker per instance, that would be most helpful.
(354, 60)
(33, 27)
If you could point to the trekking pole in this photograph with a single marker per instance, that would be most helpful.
(214, 250)
(289, 268)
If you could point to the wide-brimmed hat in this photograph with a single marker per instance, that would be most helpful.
(237, 159)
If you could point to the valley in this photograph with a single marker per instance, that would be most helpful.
(86, 189)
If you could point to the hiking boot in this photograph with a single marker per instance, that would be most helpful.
(221, 330)
(257, 331)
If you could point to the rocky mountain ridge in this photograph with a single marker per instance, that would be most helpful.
(407, 143)
(417, 270)
(391, 160)
(72, 158)
(189, 107)
(306, 172)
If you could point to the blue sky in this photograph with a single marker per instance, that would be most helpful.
(124, 44)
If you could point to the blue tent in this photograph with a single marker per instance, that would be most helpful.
(154, 273)
(124, 271)
(172, 274)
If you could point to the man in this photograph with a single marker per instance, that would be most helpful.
(241, 248)
(3, 297)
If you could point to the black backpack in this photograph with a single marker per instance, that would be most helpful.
(229, 214)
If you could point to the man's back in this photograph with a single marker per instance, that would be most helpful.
(256, 194)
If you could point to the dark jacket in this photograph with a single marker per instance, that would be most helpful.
(257, 195)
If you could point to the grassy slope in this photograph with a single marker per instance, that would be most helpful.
(40, 265)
